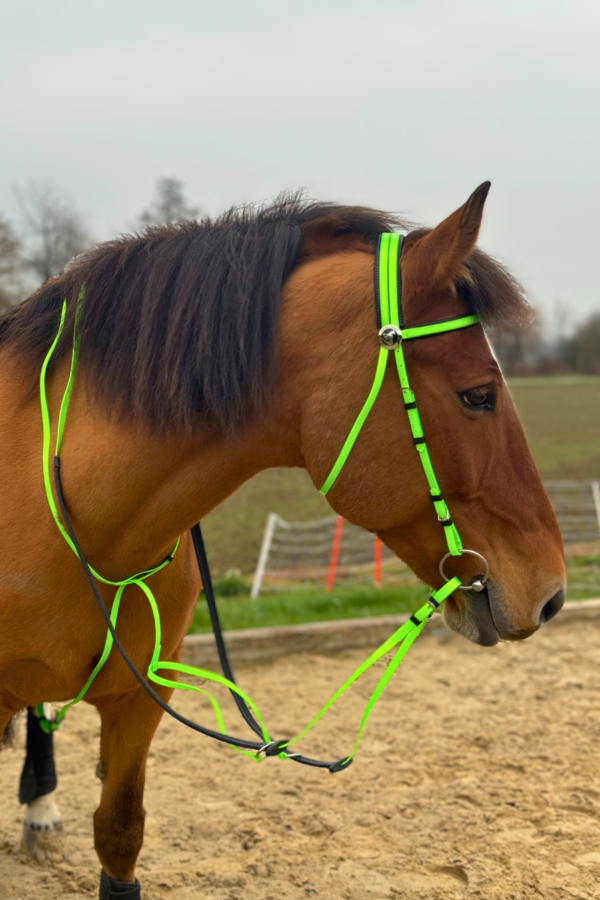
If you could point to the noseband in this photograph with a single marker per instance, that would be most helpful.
(392, 334)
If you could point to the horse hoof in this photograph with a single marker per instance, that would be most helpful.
(43, 836)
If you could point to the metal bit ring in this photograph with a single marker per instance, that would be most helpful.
(479, 583)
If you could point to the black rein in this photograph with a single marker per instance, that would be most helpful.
(274, 748)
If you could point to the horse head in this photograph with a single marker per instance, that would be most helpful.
(478, 449)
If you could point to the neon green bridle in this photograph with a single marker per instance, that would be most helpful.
(391, 336)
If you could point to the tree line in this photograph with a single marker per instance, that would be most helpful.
(51, 231)
(531, 351)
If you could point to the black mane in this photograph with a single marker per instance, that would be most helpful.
(180, 321)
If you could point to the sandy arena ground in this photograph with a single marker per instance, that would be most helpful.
(479, 776)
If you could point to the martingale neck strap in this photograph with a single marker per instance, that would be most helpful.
(392, 334)
(60, 430)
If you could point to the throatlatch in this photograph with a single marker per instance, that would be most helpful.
(388, 288)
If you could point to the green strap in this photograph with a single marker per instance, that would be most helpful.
(451, 534)
(64, 406)
(421, 331)
(47, 433)
(383, 278)
(404, 637)
(47, 430)
(360, 421)
(52, 726)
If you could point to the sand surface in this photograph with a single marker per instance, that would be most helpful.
(479, 776)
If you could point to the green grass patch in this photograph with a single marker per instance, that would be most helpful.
(561, 418)
(583, 577)
(308, 605)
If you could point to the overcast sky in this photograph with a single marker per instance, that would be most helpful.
(404, 105)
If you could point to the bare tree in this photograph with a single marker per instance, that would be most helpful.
(522, 350)
(581, 351)
(169, 204)
(11, 264)
(54, 231)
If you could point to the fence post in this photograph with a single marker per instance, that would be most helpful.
(264, 554)
(377, 560)
(596, 495)
(335, 552)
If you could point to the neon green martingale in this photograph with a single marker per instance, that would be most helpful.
(138, 579)
(387, 277)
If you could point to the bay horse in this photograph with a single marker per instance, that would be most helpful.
(209, 351)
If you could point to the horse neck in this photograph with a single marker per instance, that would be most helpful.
(148, 490)
(131, 493)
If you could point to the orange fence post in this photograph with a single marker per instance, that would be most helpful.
(335, 553)
(377, 556)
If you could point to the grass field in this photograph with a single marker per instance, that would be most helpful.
(561, 416)
(300, 606)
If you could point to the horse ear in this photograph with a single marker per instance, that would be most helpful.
(328, 234)
(454, 239)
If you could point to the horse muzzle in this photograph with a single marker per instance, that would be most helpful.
(484, 617)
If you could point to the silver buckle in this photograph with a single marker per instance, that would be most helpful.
(390, 337)
(262, 752)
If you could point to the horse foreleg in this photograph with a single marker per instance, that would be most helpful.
(128, 726)
(42, 825)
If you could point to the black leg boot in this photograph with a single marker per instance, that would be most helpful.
(118, 890)
(39, 774)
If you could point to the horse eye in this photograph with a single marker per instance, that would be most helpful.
(479, 398)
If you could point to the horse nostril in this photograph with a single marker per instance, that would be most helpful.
(554, 605)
